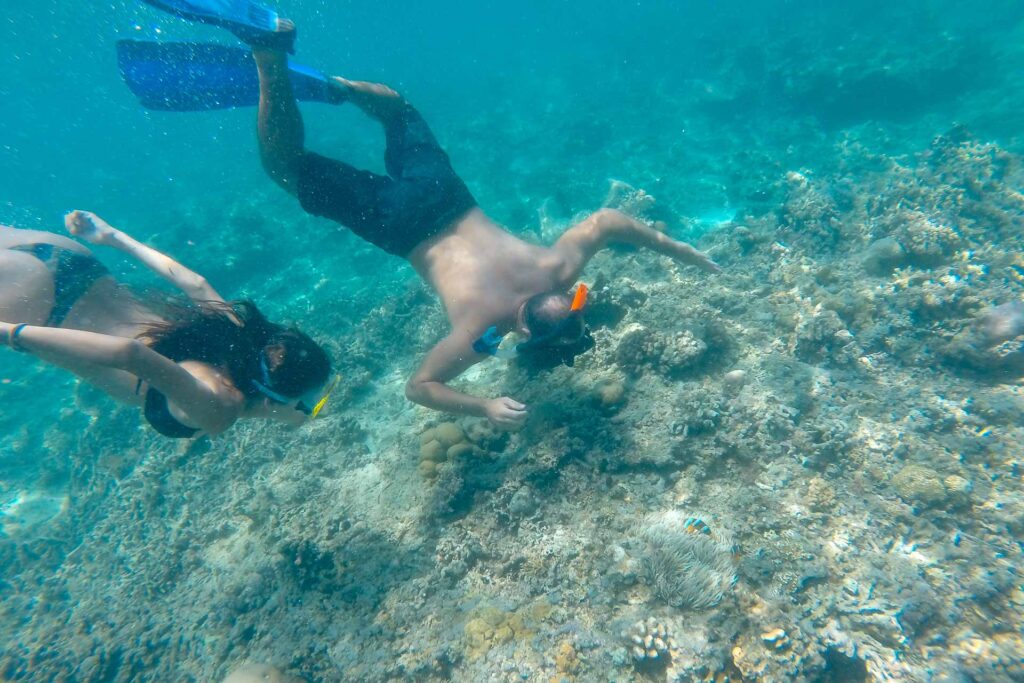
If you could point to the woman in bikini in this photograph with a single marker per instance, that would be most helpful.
(194, 366)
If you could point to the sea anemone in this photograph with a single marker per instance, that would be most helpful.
(686, 564)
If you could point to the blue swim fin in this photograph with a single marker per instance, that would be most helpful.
(253, 23)
(204, 76)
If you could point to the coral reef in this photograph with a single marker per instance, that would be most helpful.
(842, 404)
(640, 350)
(920, 485)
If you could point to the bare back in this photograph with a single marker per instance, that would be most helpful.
(482, 273)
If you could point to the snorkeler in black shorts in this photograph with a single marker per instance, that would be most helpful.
(493, 285)
(419, 197)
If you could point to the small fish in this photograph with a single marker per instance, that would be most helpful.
(695, 525)
(1017, 272)
(983, 431)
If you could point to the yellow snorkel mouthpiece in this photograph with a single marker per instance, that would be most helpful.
(326, 397)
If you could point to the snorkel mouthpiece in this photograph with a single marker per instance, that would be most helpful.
(323, 401)
(264, 388)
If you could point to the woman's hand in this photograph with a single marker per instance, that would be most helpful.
(505, 413)
(280, 412)
(88, 226)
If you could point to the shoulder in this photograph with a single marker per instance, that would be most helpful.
(216, 380)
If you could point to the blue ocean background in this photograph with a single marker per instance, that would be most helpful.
(540, 104)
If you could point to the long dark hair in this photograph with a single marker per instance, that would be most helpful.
(236, 336)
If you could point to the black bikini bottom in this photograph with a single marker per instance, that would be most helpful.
(73, 275)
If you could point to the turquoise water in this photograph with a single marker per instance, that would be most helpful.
(325, 553)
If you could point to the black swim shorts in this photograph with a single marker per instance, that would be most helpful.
(419, 197)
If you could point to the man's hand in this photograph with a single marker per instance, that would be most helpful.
(685, 253)
(88, 226)
(696, 258)
(505, 413)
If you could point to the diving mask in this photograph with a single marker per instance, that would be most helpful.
(512, 345)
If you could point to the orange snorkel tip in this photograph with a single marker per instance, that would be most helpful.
(580, 299)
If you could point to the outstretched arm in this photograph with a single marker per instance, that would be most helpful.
(579, 243)
(77, 350)
(446, 361)
(93, 229)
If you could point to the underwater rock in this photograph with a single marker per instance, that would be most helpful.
(968, 350)
(819, 334)
(746, 239)
(457, 553)
(313, 566)
(682, 352)
(809, 212)
(638, 350)
(683, 563)
(29, 512)
(920, 486)
(775, 639)
(700, 411)
(734, 379)
(641, 349)
(610, 395)
(259, 673)
(821, 497)
(927, 241)
(567, 661)
(490, 627)
(1001, 323)
(958, 488)
(522, 503)
(629, 200)
(883, 256)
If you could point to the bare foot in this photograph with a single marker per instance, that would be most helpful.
(376, 99)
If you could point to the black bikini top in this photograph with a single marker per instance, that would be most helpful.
(159, 416)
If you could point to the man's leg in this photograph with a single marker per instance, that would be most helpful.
(412, 150)
(279, 126)
(375, 99)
